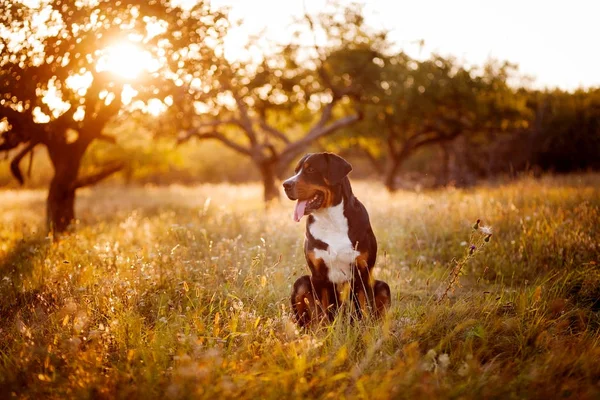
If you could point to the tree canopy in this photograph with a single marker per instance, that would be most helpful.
(271, 109)
(57, 85)
(71, 72)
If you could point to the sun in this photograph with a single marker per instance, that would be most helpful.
(126, 59)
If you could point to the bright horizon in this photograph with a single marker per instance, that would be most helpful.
(553, 42)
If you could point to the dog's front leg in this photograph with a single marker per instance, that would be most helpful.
(313, 299)
(303, 301)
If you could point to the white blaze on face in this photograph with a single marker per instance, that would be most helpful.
(331, 227)
(300, 204)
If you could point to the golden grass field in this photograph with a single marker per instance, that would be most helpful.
(183, 292)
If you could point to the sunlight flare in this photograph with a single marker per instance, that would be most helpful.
(127, 60)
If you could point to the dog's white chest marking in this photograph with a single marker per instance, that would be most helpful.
(331, 227)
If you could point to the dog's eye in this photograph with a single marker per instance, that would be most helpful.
(310, 170)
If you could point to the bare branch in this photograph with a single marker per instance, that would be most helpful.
(22, 128)
(295, 148)
(273, 152)
(14, 164)
(10, 142)
(424, 138)
(219, 122)
(325, 116)
(107, 112)
(104, 173)
(213, 135)
(276, 133)
(391, 145)
(107, 138)
(437, 139)
(30, 167)
(65, 120)
(245, 122)
(331, 128)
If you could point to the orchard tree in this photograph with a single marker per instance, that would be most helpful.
(272, 108)
(433, 102)
(565, 133)
(68, 68)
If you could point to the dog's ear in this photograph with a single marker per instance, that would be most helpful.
(337, 168)
(301, 162)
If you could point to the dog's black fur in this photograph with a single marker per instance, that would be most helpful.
(321, 178)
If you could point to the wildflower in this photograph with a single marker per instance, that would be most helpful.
(429, 363)
(444, 361)
(472, 249)
(464, 369)
(487, 238)
(486, 230)
(476, 225)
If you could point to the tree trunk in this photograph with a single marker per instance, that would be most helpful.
(444, 172)
(60, 204)
(390, 176)
(267, 172)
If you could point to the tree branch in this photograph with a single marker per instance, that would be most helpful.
(391, 145)
(295, 148)
(11, 140)
(107, 138)
(338, 124)
(244, 122)
(23, 129)
(213, 135)
(325, 116)
(271, 130)
(30, 167)
(412, 144)
(14, 164)
(92, 179)
(438, 138)
(219, 122)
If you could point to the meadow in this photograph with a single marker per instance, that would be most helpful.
(183, 292)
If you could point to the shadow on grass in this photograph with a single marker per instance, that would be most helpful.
(16, 266)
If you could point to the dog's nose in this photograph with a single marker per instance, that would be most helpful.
(287, 185)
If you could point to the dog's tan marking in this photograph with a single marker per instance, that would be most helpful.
(362, 260)
(362, 300)
(316, 262)
(307, 190)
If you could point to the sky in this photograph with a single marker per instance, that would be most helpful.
(556, 42)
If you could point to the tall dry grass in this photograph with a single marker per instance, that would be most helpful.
(184, 293)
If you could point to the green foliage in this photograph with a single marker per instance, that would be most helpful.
(57, 93)
(184, 293)
(566, 133)
(273, 106)
(71, 42)
(423, 103)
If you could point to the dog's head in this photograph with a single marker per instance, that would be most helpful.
(317, 176)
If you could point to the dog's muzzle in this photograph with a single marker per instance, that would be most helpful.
(290, 188)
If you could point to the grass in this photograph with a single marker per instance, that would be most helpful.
(184, 293)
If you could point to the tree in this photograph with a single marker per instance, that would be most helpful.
(271, 109)
(55, 92)
(432, 102)
(565, 133)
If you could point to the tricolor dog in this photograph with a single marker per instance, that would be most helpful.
(340, 246)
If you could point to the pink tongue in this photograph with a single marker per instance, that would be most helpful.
(299, 210)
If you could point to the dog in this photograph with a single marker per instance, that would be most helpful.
(340, 246)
